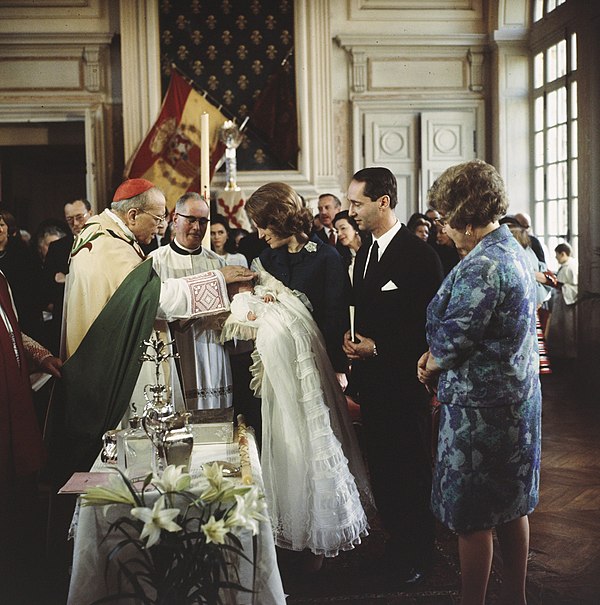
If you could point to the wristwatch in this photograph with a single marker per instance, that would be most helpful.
(374, 350)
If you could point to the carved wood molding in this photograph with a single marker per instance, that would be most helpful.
(92, 68)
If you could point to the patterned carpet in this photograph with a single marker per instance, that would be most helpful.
(350, 579)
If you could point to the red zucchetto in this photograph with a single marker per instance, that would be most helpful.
(131, 188)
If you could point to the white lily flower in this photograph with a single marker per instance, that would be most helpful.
(239, 517)
(248, 512)
(214, 473)
(256, 503)
(198, 484)
(116, 492)
(215, 531)
(155, 520)
(173, 479)
(218, 488)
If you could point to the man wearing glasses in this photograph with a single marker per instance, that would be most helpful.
(113, 295)
(203, 360)
(56, 267)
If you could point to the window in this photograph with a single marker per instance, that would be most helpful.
(555, 141)
(542, 7)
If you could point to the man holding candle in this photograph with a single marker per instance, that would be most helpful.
(395, 277)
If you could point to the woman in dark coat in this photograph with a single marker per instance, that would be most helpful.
(305, 263)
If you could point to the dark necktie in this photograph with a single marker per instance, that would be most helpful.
(373, 259)
(332, 237)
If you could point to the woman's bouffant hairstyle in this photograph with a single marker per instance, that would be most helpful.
(469, 194)
(10, 221)
(278, 207)
(343, 214)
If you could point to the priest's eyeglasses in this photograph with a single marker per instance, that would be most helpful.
(78, 218)
(192, 220)
(158, 219)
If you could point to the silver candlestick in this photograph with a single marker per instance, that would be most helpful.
(231, 136)
(171, 438)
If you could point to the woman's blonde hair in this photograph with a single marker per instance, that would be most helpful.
(469, 194)
(278, 207)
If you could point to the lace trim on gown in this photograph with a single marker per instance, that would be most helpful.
(313, 498)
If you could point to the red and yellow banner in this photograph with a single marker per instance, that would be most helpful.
(169, 156)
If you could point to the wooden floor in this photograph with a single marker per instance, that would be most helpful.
(564, 564)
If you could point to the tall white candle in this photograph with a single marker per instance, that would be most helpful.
(204, 158)
(352, 333)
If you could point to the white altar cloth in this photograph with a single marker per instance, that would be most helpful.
(90, 552)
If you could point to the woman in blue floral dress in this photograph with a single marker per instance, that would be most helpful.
(483, 362)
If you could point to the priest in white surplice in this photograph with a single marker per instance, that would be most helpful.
(204, 361)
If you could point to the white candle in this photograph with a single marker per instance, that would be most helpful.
(204, 158)
(352, 323)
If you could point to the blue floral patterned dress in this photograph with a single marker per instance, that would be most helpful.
(481, 332)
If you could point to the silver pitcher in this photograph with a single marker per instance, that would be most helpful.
(171, 438)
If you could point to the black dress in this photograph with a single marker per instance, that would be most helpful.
(318, 271)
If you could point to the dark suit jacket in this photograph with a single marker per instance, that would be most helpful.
(57, 261)
(391, 309)
(22, 270)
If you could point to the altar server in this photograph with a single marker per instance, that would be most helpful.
(204, 362)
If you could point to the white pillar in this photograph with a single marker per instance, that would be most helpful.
(140, 69)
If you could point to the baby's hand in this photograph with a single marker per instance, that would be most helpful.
(251, 316)
(269, 298)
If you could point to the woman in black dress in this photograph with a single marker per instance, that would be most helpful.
(303, 262)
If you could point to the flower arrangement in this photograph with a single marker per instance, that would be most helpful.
(179, 540)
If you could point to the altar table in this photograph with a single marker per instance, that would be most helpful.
(90, 552)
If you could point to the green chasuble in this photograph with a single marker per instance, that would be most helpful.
(99, 378)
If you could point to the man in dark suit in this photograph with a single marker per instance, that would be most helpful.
(395, 276)
(329, 205)
(56, 267)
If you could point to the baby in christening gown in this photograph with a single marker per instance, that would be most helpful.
(312, 467)
(249, 306)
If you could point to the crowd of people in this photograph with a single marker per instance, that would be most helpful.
(288, 322)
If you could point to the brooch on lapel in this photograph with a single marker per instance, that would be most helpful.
(311, 247)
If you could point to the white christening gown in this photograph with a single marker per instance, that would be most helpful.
(312, 467)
